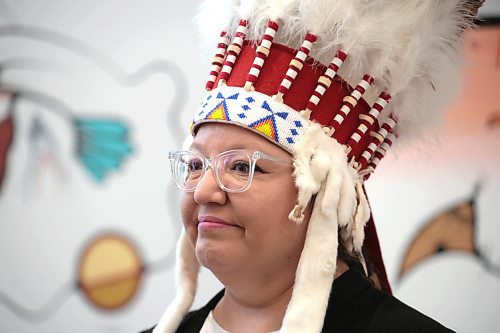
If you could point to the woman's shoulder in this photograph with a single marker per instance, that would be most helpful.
(355, 306)
(392, 315)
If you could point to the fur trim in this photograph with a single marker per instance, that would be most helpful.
(186, 271)
(321, 168)
(348, 202)
(314, 155)
(315, 272)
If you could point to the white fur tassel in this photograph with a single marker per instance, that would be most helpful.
(335, 201)
(315, 272)
(348, 200)
(186, 269)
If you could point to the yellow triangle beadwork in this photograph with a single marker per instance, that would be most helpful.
(266, 127)
(218, 113)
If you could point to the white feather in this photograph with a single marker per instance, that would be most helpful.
(213, 17)
(410, 47)
(246, 8)
(278, 9)
(318, 15)
(266, 10)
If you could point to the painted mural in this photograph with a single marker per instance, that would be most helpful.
(92, 98)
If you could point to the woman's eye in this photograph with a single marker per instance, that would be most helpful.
(195, 165)
(241, 167)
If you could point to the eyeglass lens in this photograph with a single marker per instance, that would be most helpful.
(233, 170)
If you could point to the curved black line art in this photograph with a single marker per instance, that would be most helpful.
(27, 63)
(55, 105)
(61, 295)
(101, 143)
(43, 313)
(107, 65)
(52, 104)
(110, 67)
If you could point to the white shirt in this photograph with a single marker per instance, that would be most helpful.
(211, 326)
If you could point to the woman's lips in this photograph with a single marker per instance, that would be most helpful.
(212, 222)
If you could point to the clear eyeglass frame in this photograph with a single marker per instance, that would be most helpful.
(180, 174)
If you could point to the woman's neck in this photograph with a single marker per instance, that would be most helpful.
(259, 306)
(263, 312)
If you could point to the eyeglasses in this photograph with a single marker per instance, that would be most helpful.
(233, 169)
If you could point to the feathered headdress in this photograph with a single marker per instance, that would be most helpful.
(334, 83)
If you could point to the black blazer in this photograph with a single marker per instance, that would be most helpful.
(354, 307)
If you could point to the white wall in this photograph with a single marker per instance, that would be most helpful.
(50, 207)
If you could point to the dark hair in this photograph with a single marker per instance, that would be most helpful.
(352, 260)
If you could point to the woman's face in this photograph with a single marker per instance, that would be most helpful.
(249, 233)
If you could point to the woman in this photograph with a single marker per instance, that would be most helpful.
(273, 200)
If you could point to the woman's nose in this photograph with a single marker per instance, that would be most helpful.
(208, 190)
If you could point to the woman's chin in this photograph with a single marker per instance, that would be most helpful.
(217, 255)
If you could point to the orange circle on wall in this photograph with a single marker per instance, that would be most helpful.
(110, 271)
